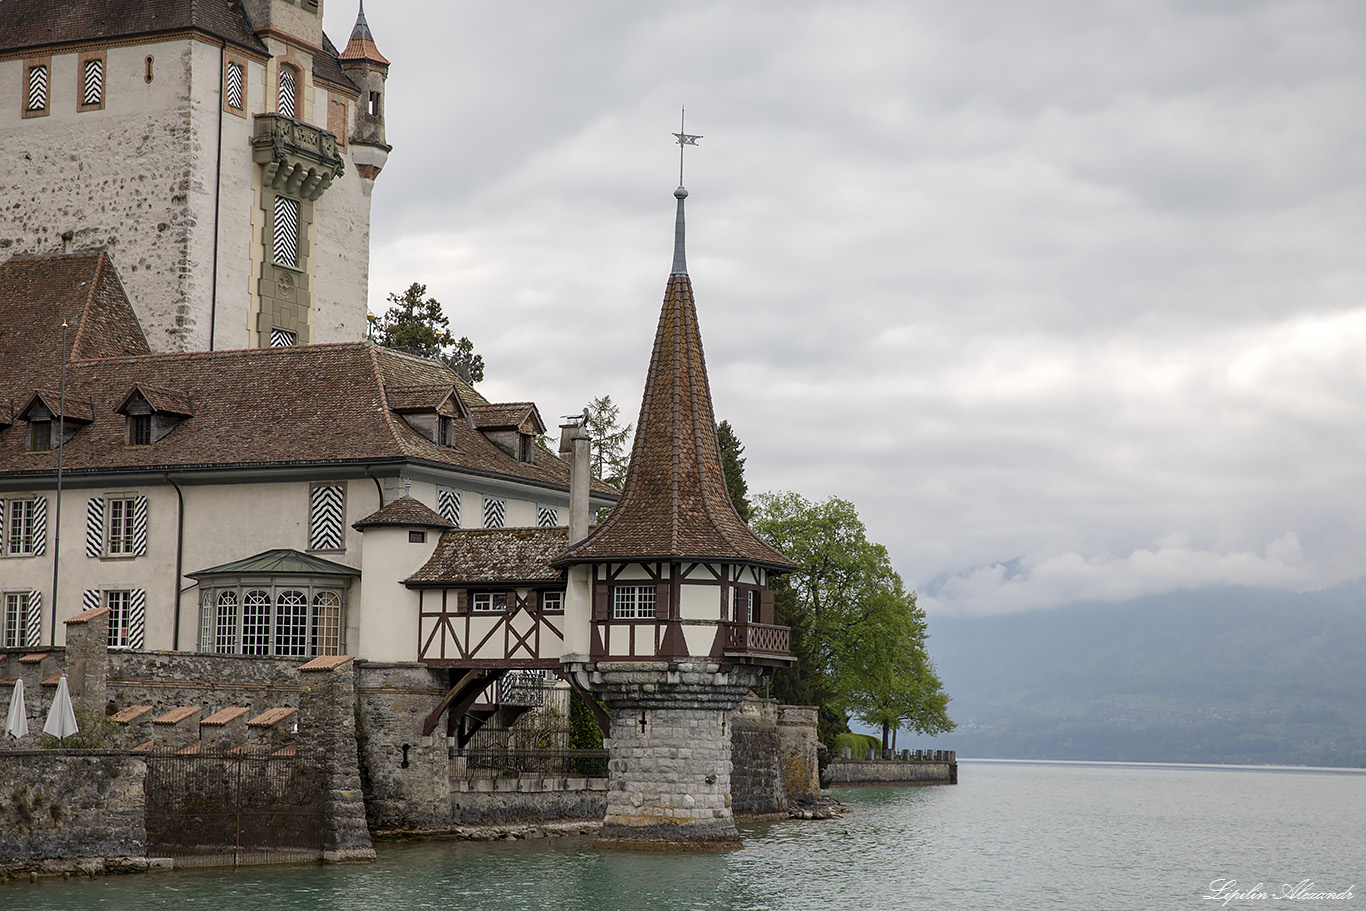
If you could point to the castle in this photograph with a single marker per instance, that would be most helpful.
(198, 445)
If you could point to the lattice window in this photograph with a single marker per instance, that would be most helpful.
(286, 237)
(547, 516)
(281, 338)
(19, 528)
(288, 88)
(120, 527)
(291, 624)
(139, 429)
(37, 88)
(120, 618)
(16, 613)
(326, 515)
(327, 624)
(235, 83)
(633, 602)
(92, 89)
(40, 436)
(256, 622)
(495, 512)
(448, 505)
(225, 624)
(552, 601)
(489, 602)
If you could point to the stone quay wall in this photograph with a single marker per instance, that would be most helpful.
(406, 775)
(502, 802)
(797, 746)
(756, 775)
(71, 810)
(907, 767)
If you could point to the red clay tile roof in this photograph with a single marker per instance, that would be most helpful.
(362, 43)
(223, 716)
(37, 657)
(404, 511)
(177, 715)
(502, 555)
(38, 292)
(37, 23)
(271, 717)
(87, 615)
(130, 714)
(298, 405)
(674, 503)
(327, 662)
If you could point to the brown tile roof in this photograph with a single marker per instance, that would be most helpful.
(503, 555)
(38, 292)
(507, 416)
(299, 405)
(37, 23)
(76, 410)
(166, 401)
(86, 616)
(130, 714)
(223, 716)
(37, 657)
(674, 503)
(327, 68)
(420, 399)
(271, 717)
(327, 662)
(362, 43)
(175, 716)
(404, 511)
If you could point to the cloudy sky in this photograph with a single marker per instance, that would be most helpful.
(1067, 297)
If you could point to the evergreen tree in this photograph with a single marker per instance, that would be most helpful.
(733, 462)
(416, 324)
(611, 451)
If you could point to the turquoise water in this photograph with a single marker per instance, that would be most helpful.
(1010, 835)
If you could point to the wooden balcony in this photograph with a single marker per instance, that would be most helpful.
(758, 640)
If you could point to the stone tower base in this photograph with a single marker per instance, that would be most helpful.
(669, 770)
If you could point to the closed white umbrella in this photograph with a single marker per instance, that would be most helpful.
(61, 719)
(17, 723)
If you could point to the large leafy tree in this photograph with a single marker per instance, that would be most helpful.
(733, 462)
(415, 323)
(611, 451)
(858, 635)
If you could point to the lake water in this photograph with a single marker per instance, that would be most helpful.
(1013, 835)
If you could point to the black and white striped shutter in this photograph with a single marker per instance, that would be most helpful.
(39, 526)
(448, 504)
(326, 517)
(90, 600)
(235, 86)
(137, 613)
(33, 623)
(2, 522)
(94, 527)
(547, 516)
(37, 88)
(94, 82)
(495, 512)
(286, 241)
(140, 526)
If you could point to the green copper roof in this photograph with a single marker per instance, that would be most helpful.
(279, 562)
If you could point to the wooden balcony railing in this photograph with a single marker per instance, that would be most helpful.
(757, 639)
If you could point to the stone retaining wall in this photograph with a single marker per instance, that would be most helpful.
(494, 801)
(74, 809)
(863, 771)
(756, 775)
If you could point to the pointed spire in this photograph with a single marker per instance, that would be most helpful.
(674, 502)
(361, 47)
(680, 266)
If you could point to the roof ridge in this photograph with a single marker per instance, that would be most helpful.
(384, 403)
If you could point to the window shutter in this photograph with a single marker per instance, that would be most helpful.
(462, 601)
(661, 601)
(140, 526)
(286, 240)
(37, 88)
(325, 519)
(600, 599)
(235, 86)
(137, 612)
(547, 516)
(495, 512)
(39, 526)
(286, 91)
(94, 527)
(281, 338)
(94, 82)
(448, 504)
(33, 623)
(91, 599)
(3, 527)
(766, 607)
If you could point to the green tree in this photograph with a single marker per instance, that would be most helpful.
(416, 324)
(611, 451)
(733, 462)
(858, 635)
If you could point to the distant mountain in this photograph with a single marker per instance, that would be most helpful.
(1230, 675)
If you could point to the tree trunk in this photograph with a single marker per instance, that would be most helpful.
(886, 732)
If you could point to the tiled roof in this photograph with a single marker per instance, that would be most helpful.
(404, 511)
(674, 503)
(328, 69)
(297, 405)
(281, 561)
(163, 400)
(73, 409)
(362, 43)
(506, 416)
(38, 292)
(503, 555)
(418, 399)
(38, 23)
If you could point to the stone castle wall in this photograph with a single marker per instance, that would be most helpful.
(756, 777)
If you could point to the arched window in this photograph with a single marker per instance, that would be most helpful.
(225, 634)
(291, 624)
(327, 618)
(289, 90)
(256, 622)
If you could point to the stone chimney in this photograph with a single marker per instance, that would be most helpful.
(574, 446)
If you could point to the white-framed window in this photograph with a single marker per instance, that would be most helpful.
(327, 624)
(120, 604)
(120, 540)
(293, 618)
(489, 602)
(746, 606)
(256, 622)
(552, 602)
(225, 624)
(18, 531)
(633, 602)
(291, 623)
(13, 620)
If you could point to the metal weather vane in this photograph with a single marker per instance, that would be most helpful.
(684, 139)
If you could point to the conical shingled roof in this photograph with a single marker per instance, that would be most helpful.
(362, 43)
(674, 503)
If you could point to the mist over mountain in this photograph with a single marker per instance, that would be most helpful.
(1227, 675)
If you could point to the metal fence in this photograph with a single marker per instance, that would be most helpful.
(230, 808)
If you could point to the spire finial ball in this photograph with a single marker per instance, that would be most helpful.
(680, 193)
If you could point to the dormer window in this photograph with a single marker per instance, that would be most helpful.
(43, 412)
(526, 448)
(139, 429)
(445, 433)
(39, 436)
